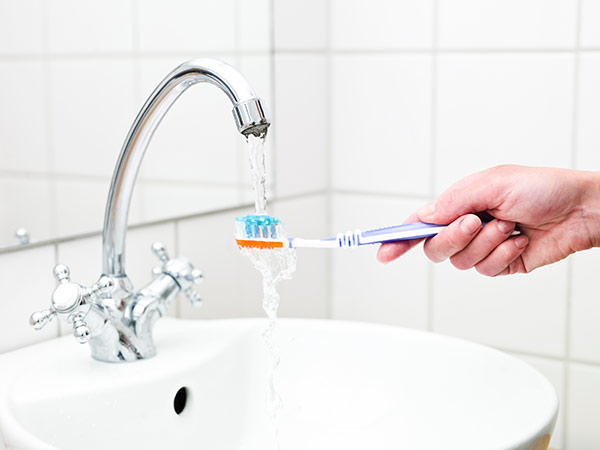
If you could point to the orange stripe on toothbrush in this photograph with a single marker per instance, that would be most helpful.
(247, 243)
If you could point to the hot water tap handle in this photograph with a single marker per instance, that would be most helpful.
(71, 302)
(181, 270)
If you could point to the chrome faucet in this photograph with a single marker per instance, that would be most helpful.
(115, 320)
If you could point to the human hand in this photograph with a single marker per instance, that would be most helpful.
(557, 212)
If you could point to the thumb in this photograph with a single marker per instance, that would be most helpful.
(476, 193)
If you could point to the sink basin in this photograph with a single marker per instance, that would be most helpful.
(344, 386)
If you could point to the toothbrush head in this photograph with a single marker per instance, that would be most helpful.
(259, 231)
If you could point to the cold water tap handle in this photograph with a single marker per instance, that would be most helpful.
(182, 271)
(71, 302)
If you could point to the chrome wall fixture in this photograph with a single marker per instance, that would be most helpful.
(116, 320)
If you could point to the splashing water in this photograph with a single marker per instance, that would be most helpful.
(274, 265)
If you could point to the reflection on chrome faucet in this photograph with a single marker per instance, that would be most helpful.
(115, 320)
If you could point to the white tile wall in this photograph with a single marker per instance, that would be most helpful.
(584, 340)
(518, 313)
(502, 108)
(590, 24)
(507, 23)
(27, 284)
(22, 117)
(381, 24)
(301, 123)
(21, 27)
(36, 216)
(381, 123)
(93, 106)
(254, 25)
(186, 26)
(364, 289)
(583, 407)
(588, 113)
(88, 26)
(300, 25)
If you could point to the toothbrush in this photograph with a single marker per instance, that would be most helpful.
(263, 231)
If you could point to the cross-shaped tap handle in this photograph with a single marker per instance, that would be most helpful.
(181, 270)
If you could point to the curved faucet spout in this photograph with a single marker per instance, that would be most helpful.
(249, 115)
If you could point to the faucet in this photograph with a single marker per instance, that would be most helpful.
(116, 320)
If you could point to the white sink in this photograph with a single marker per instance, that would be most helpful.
(344, 386)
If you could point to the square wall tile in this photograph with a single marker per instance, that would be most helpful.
(307, 293)
(163, 200)
(507, 24)
(590, 23)
(89, 26)
(28, 284)
(502, 108)
(585, 307)
(364, 289)
(554, 371)
(588, 112)
(93, 107)
(301, 25)
(80, 206)
(21, 27)
(301, 123)
(231, 286)
(23, 124)
(197, 140)
(520, 312)
(582, 428)
(83, 257)
(381, 129)
(254, 30)
(186, 26)
(26, 202)
(381, 24)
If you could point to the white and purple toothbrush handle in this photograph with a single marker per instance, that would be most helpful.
(358, 238)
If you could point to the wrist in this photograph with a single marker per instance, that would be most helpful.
(589, 186)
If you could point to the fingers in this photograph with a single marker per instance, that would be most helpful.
(393, 250)
(452, 239)
(504, 259)
(490, 237)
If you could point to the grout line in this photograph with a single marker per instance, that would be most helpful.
(569, 293)
(432, 157)
(50, 153)
(325, 51)
(330, 261)
(396, 195)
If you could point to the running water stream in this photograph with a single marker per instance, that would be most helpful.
(274, 265)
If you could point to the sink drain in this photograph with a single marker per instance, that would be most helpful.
(180, 400)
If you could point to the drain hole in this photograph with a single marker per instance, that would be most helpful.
(180, 400)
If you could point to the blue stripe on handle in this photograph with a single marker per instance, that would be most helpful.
(406, 227)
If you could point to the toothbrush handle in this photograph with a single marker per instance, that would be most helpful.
(414, 230)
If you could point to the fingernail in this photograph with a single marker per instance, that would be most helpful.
(427, 210)
(505, 226)
(470, 224)
(521, 241)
